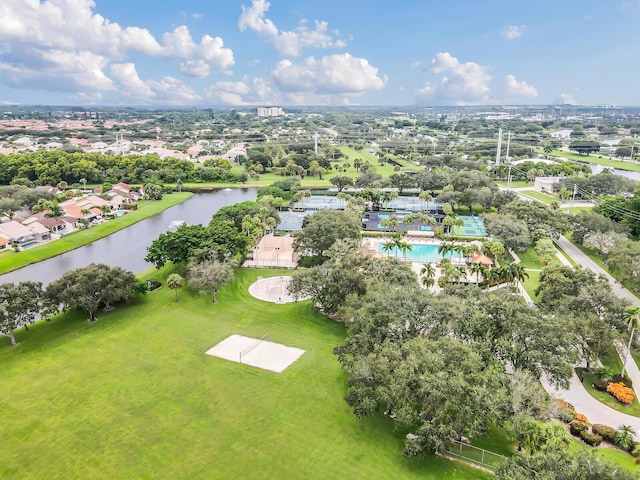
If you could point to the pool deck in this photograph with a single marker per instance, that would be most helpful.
(371, 244)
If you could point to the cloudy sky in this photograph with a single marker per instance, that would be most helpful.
(310, 52)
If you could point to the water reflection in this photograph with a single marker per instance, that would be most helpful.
(127, 248)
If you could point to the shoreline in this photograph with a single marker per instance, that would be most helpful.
(11, 261)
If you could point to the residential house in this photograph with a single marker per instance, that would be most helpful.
(15, 232)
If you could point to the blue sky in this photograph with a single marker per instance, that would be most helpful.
(304, 52)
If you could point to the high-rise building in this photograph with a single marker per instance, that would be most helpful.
(270, 111)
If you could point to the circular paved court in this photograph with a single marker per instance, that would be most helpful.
(273, 289)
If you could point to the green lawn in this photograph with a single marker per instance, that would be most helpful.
(614, 363)
(516, 184)
(576, 210)
(541, 197)
(611, 453)
(11, 260)
(607, 162)
(134, 396)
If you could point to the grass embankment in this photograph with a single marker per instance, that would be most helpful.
(134, 396)
(541, 197)
(533, 264)
(607, 162)
(11, 260)
(516, 184)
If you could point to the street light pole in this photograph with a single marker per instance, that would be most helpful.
(624, 364)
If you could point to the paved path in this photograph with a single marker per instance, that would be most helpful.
(577, 395)
(584, 403)
(583, 260)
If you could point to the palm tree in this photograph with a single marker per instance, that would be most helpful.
(390, 223)
(423, 218)
(247, 223)
(518, 272)
(302, 195)
(625, 437)
(404, 248)
(425, 197)
(447, 223)
(444, 248)
(428, 273)
(388, 246)
(55, 211)
(271, 223)
(175, 282)
(460, 250)
(632, 316)
(476, 268)
(496, 248)
(83, 181)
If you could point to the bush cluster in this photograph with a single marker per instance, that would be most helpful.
(624, 380)
(621, 393)
(576, 427)
(601, 385)
(607, 433)
(592, 439)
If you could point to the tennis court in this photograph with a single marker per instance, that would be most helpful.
(320, 202)
(292, 221)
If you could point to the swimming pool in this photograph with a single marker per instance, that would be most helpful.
(29, 244)
(419, 253)
(119, 213)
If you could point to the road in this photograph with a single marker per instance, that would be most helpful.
(583, 260)
(584, 403)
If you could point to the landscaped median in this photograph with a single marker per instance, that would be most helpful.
(13, 260)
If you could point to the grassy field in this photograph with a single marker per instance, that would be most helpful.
(541, 197)
(11, 260)
(576, 210)
(134, 396)
(607, 162)
(310, 182)
(516, 184)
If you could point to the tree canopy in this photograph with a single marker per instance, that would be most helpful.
(322, 229)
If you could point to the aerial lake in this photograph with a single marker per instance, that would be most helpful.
(127, 248)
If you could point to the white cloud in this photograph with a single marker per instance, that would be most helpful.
(334, 74)
(64, 45)
(463, 83)
(330, 80)
(565, 99)
(132, 88)
(290, 42)
(243, 92)
(415, 64)
(513, 88)
(511, 32)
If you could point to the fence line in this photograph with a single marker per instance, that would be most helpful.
(486, 458)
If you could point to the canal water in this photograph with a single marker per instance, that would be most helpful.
(595, 168)
(127, 248)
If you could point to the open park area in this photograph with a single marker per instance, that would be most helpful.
(135, 396)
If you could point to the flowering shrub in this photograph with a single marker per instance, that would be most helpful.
(623, 394)
(580, 417)
(576, 427)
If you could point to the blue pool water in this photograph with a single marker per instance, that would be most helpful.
(418, 253)
(29, 244)
(119, 213)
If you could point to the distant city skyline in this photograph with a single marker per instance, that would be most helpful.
(286, 53)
